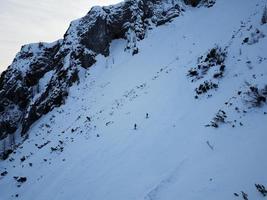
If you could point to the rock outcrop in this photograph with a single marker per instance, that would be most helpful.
(195, 3)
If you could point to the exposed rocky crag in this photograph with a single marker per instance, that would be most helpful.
(195, 3)
(39, 77)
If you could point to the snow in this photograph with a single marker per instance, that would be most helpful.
(168, 156)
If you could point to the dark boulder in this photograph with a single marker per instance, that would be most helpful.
(193, 3)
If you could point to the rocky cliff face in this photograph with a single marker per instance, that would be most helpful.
(194, 3)
(41, 74)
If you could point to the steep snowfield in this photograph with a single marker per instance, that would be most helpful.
(97, 155)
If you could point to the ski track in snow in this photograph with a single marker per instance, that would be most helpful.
(153, 194)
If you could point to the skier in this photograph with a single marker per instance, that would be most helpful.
(147, 116)
(135, 126)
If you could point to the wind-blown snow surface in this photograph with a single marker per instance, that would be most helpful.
(171, 155)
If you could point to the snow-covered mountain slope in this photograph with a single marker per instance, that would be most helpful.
(202, 81)
(22, 102)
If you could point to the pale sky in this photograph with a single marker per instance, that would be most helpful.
(28, 21)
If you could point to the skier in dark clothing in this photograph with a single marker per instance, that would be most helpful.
(147, 116)
(135, 126)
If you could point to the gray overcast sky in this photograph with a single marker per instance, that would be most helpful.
(28, 21)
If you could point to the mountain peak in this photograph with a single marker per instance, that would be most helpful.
(147, 100)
